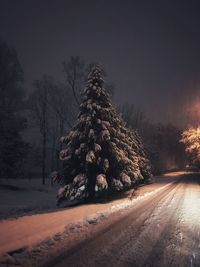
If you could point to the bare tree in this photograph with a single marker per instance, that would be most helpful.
(75, 74)
(60, 102)
(39, 107)
(133, 116)
(52, 107)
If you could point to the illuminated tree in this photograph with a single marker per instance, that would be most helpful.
(191, 139)
(100, 153)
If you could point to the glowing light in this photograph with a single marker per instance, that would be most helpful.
(191, 139)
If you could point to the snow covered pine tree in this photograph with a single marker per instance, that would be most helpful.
(100, 153)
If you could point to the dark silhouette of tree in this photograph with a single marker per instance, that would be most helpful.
(163, 146)
(38, 104)
(12, 146)
(62, 110)
(51, 106)
(75, 71)
(161, 141)
(133, 116)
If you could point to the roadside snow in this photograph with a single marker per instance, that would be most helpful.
(25, 196)
(129, 202)
(28, 231)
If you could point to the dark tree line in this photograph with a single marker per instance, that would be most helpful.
(32, 120)
(31, 124)
(12, 123)
(161, 140)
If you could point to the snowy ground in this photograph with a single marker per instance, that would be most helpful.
(22, 196)
(28, 240)
(25, 197)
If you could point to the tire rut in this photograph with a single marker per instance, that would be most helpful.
(96, 246)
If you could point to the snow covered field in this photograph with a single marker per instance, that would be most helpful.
(24, 196)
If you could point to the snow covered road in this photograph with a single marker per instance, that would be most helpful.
(159, 227)
(163, 230)
(29, 230)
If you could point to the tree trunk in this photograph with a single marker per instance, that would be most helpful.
(91, 173)
(44, 158)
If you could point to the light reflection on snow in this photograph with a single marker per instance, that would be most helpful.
(191, 209)
(173, 174)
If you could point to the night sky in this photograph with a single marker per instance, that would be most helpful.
(150, 49)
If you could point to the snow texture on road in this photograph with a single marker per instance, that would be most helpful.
(159, 231)
(158, 227)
